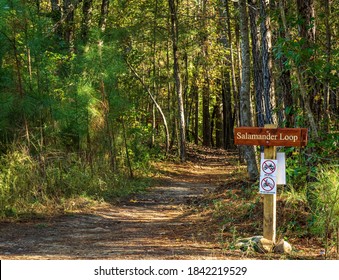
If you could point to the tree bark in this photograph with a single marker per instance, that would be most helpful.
(237, 65)
(86, 19)
(176, 73)
(103, 14)
(245, 109)
(56, 17)
(229, 83)
(206, 117)
(257, 62)
(219, 139)
(68, 10)
(228, 117)
(326, 102)
(129, 164)
(195, 90)
(266, 45)
(154, 70)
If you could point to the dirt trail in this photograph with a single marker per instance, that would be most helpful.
(153, 225)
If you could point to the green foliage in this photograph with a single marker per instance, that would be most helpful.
(139, 138)
(302, 164)
(296, 171)
(28, 185)
(324, 202)
(75, 112)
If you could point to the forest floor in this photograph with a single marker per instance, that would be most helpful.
(194, 210)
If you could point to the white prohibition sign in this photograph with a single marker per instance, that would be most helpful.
(268, 167)
(267, 184)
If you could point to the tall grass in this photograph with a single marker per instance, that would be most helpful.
(324, 203)
(41, 184)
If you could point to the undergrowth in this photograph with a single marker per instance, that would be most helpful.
(59, 182)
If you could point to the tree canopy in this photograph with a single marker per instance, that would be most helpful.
(106, 84)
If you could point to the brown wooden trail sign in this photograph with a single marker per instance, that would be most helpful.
(264, 136)
(269, 137)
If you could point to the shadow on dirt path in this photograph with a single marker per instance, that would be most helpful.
(152, 225)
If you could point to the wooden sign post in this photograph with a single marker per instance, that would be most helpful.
(270, 201)
(270, 136)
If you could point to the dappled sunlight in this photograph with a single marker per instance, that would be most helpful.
(195, 210)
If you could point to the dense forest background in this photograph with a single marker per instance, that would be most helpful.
(91, 90)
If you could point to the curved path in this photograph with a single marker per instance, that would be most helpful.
(157, 224)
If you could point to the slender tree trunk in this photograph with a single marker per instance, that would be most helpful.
(155, 104)
(257, 62)
(171, 104)
(219, 139)
(176, 72)
(86, 19)
(306, 101)
(196, 109)
(245, 109)
(237, 66)
(228, 77)
(154, 73)
(56, 17)
(20, 88)
(331, 34)
(285, 75)
(103, 14)
(306, 83)
(187, 99)
(206, 118)
(227, 111)
(235, 85)
(327, 89)
(129, 164)
(266, 45)
(68, 10)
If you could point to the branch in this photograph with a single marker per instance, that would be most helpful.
(153, 100)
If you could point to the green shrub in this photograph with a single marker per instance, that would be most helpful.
(30, 185)
(323, 197)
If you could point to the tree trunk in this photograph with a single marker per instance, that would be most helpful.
(326, 104)
(195, 90)
(56, 17)
(257, 62)
(306, 82)
(235, 85)
(86, 19)
(266, 45)
(228, 76)
(177, 79)
(284, 79)
(154, 73)
(206, 117)
(227, 111)
(155, 103)
(129, 163)
(245, 109)
(219, 140)
(68, 10)
(103, 14)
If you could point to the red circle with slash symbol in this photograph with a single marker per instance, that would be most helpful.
(267, 184)
(268, 166)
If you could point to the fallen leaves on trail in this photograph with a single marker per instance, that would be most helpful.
(195, 210)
